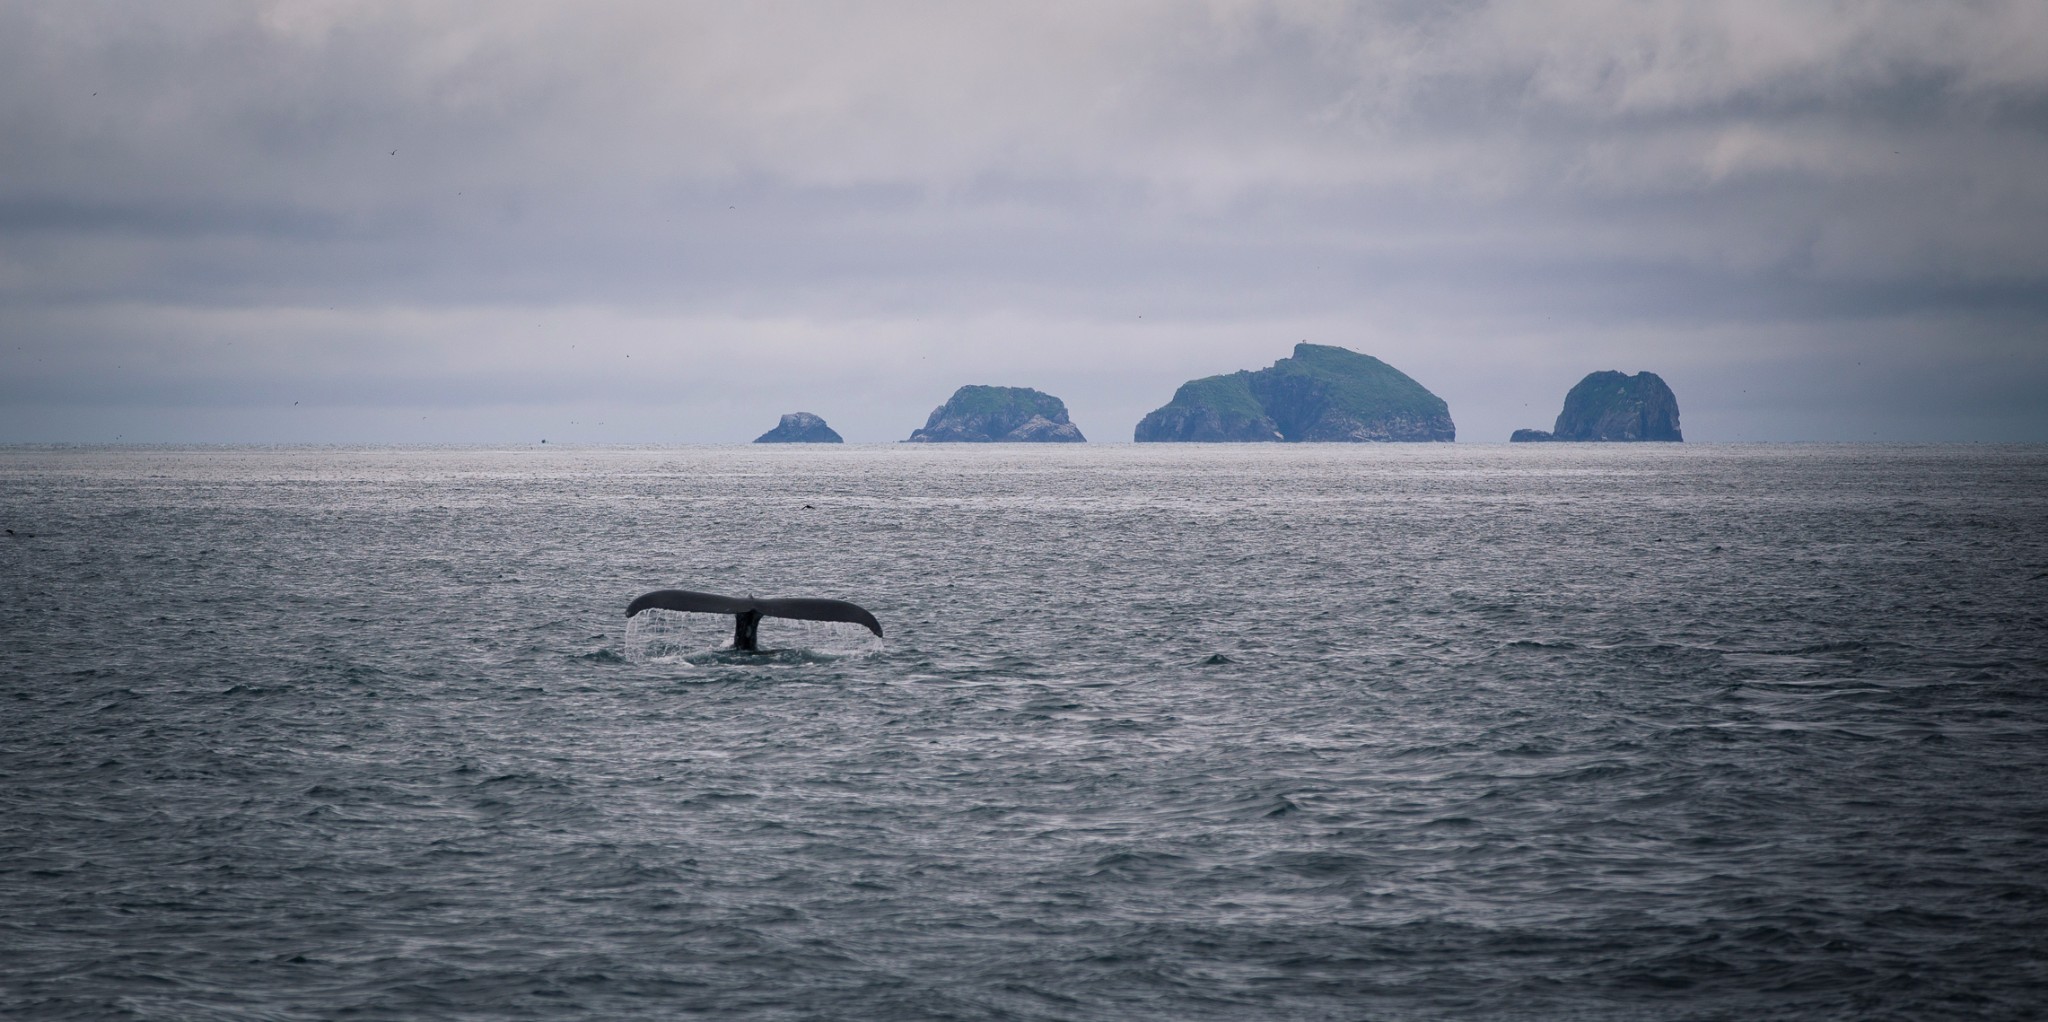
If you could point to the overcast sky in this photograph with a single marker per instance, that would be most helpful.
(672, 222)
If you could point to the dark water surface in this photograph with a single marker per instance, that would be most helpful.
(1159, 732)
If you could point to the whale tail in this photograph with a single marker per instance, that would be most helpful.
(747, 612)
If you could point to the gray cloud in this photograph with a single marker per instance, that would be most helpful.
(475, 213)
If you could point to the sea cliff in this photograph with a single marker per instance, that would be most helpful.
(1321, 393)
(1613, 406)
(800, 428)
(977, 414)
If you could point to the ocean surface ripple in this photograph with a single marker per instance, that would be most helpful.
(1158, 732)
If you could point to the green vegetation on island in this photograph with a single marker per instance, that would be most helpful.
(1613, 406)
(800, 428)
(1320, 394)
(978, 414)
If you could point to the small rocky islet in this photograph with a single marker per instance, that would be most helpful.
(1613, 407)
(1000, 415)
(800, 428)
(1320, 394)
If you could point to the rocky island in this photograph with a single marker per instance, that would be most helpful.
(800, 428)
(1613, 406)
(1320, 394)
(1003, 415)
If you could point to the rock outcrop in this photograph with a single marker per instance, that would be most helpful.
(800, 428)
(981, 415)
(1320, 394)
(1613, 407)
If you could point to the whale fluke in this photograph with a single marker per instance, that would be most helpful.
(747, 612)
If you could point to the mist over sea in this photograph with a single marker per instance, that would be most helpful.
(1157, 732)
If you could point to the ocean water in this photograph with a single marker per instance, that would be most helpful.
(1157, 732)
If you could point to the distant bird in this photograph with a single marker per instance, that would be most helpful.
(394, 152)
